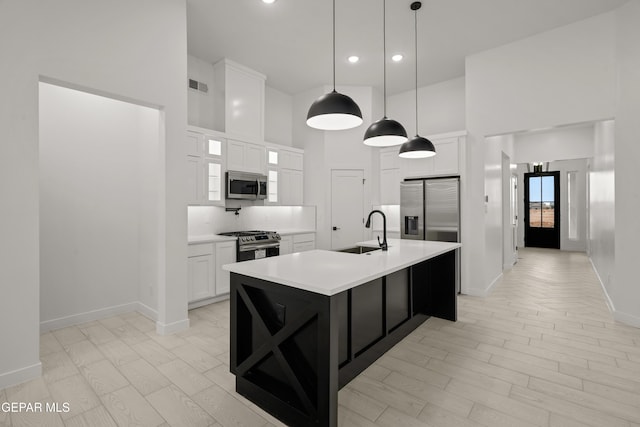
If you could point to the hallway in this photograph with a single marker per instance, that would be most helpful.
(542, 350)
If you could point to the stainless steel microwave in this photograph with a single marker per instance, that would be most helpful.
(246, 186)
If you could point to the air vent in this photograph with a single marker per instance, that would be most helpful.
(196, 85)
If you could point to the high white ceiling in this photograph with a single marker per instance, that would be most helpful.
(290, 40)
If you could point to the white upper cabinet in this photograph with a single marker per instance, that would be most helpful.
(291, 160)
(205, 168)
(284, 169)
(245, 156)
(239, 100)
(393, 169)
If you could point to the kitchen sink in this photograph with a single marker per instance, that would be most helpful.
(359, 249)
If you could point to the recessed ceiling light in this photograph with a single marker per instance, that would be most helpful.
(397, 57)
(268, 1)
(353, 59)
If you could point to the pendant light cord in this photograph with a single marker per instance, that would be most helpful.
(334, 45)
(416, 57)
(384, 54)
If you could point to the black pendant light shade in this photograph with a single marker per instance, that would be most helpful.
(334, 111)
(417, 147)
(384, 133)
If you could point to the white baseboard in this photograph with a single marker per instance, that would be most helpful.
(171, 328)
(612, 308)
(477, 292)
(21, 375)
(626, 318)
(147, 311)
(89, 316)
(207, 301)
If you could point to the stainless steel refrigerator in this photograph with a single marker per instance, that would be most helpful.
(430, 210)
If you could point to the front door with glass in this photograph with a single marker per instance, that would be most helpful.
(542, 210)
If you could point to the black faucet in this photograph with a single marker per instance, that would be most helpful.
(383, 245)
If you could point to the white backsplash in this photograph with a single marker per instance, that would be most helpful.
(204, 220)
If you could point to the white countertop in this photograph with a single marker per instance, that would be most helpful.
(329, 273)
(210, 238)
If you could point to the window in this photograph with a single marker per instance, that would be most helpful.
(215, 182)
(273, 157)
(273, 186)
(214, 147)
(541, 202)
(572, 204)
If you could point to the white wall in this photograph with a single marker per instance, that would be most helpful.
(563, 143)
(278, 108)
(627, 153)
(602, 203)
(278, 114)
(554, 78)
(98, 46)
(98, 173)
(559, 77)
(201, 105)
(440, 108)
(494, 148)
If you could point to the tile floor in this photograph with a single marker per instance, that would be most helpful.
(542, 350)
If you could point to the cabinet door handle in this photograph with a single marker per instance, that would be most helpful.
(334, 228)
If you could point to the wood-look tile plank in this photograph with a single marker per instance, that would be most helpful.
(393, 418)
(178, 409)
(76, 392)
(83, 352)
(491, 417)
(69, 335)
(185, 377)
(470, 377)
(144, 377)
(199, 359)
(129, 408)
(103, 377)
(153, 352)
(491, 370)
(436, 416)
(56, 366)
(226, 409)
(429, 393)
(586, 399)
(361, 404)
(398, 399)
(349, 418)
(118, 353)
(49, 344)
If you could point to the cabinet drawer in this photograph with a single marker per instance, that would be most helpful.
(200, 249)
(301, 238)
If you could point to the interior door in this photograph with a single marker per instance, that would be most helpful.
(542, 210)
(347, 216)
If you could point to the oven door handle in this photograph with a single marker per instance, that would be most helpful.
(247, 248)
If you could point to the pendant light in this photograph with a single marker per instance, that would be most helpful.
(385, 132)
(417, 147)
(333, 110)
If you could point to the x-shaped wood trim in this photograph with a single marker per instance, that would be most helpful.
(273, 344)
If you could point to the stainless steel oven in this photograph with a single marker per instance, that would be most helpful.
(255, 244)
(245, 185)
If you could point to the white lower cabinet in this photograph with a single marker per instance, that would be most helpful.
(206, 278)
(304, 242)
(225, 254)
(286, 245)
(202, 273)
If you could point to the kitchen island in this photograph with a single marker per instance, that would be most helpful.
(305, 324)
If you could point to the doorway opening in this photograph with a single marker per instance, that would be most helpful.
(542, 209)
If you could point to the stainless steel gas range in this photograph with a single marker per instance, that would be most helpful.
(255, 244)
